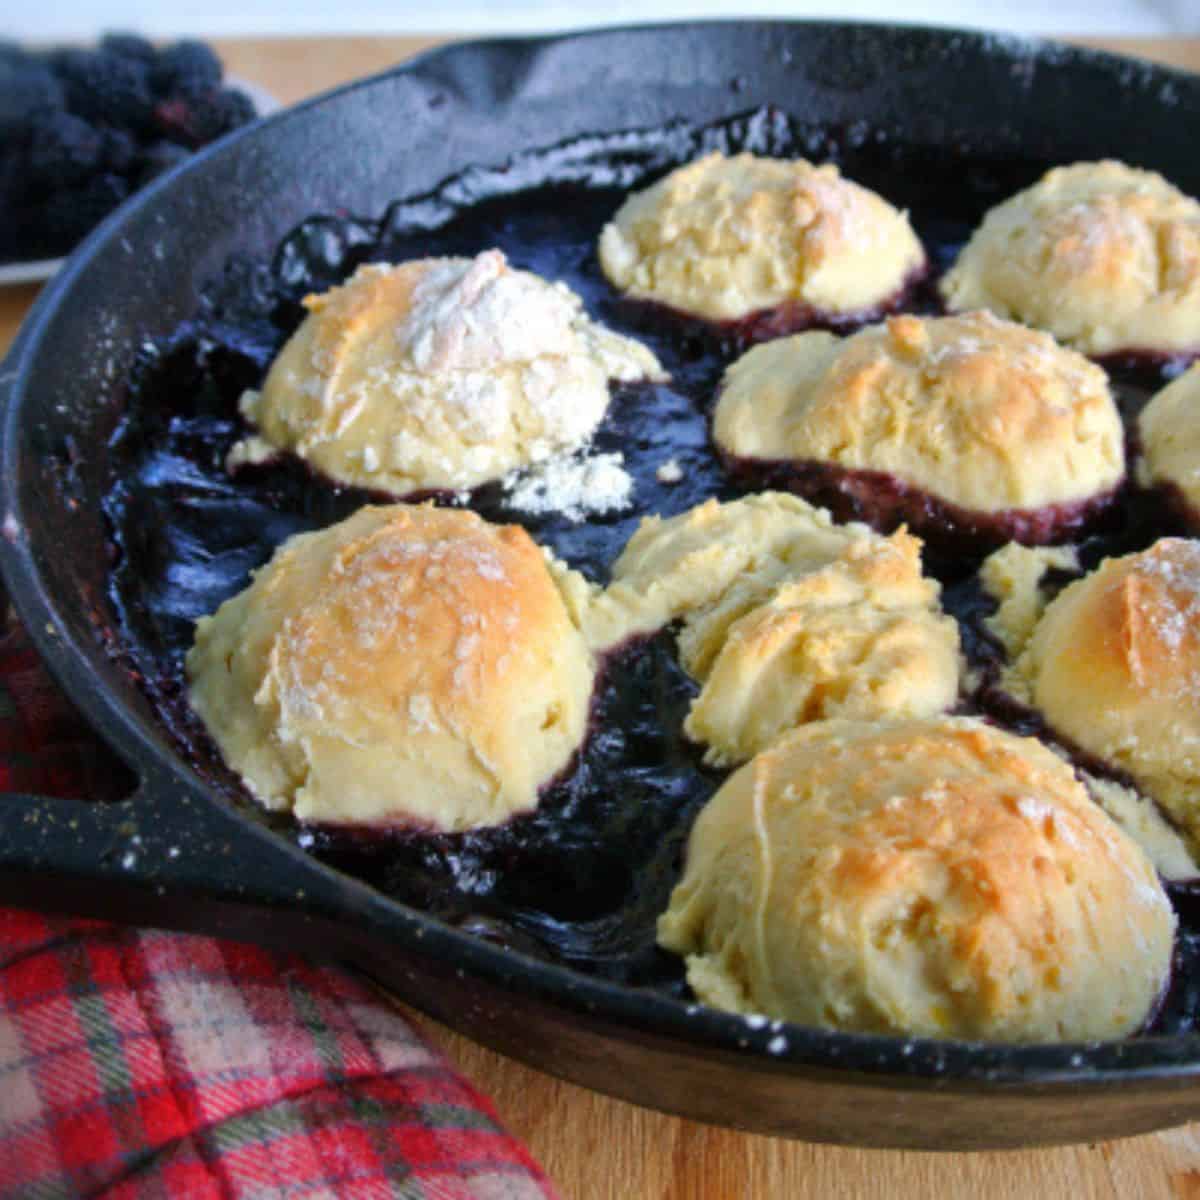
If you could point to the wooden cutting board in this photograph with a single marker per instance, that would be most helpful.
(595, 1148)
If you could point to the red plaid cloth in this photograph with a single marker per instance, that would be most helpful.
(144, 1064)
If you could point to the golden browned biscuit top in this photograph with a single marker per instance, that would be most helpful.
(786, 618)
(410, 665)
(1114, 666)
(935, 877)
(978, 412)
(726, 237)
(438, 373)
(1104, 256)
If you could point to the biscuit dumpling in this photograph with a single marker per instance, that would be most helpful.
(410, 666)
(964, 424)
(937, 877)
(727, 238)
(1113, 665)
(438, 374)
(1020, 580)
(785, 618)
(1104, 256)
(1169, 432)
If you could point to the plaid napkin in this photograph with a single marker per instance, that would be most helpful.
(144, 1064)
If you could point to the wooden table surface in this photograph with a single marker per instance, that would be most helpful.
(595, 1148)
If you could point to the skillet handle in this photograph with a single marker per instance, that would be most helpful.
(166, 859)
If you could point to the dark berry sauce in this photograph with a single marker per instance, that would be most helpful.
(734, 336)
(886, 502)
(1180, 507)
(583, 879)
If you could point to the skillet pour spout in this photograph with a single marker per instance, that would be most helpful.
(183, 853)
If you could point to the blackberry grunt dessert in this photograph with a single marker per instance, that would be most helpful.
(581, 878)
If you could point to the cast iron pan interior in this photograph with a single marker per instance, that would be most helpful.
(178, 854)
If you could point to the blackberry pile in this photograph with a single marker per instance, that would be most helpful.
(82, 129)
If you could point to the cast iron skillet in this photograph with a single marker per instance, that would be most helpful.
(176, 854)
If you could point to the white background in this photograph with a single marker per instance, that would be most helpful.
(85, 18)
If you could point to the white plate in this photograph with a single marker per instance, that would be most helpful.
(29, 272)
(264, 103)
(40, 270)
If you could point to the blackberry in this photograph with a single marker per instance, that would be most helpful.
(159, 157)
(71, 213)
(63, 150)
(233, 109)
(13, 177)
(120, 152)
(129, 45)
(13, 225)
(199, 121)
(80, 128)
(187, 69)
(26, 88)
(173, 120)
(105, 88)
